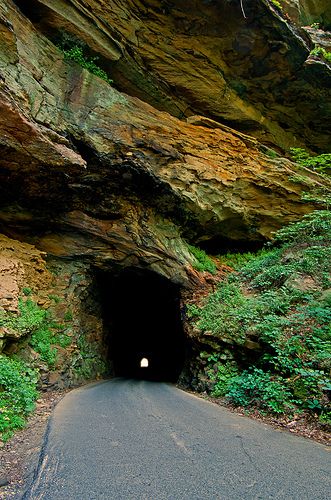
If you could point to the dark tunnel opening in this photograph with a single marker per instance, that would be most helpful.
(142, 313)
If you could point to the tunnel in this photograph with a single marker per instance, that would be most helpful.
(141, 311)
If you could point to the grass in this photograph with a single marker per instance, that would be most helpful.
(280, 299)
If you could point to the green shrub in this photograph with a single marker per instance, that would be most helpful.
(17, 395)
(320, 163)
(267, 301)
(219, 314)
(238, 260)
(262, 390)
(30, 317)
(44, 333)
(314, 227)
(77, 55)
(221, 373)
(45, 341)
(42, 342)
(321, 52)
(203, 262)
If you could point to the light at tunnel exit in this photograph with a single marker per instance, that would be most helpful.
(144, 363)
(141, 311)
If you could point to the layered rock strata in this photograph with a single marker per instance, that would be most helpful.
(89, 172)
(246, 68)
(93, 179)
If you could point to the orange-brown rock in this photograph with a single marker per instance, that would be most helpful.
(21, 265)
(244, 68)
(90, 173)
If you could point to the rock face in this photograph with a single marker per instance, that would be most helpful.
(21, 265)
(91, 172)
(312, 11)
(205, 57)
(102, 181)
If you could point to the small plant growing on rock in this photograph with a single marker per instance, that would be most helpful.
(277, 4)
(76, 54)
(321, 52)
(321, 163)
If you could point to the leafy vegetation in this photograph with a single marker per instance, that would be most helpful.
(203, 262)
(277, 4)
(280, 300)
(44, 333)
(77, 54)
(17, 394)
(238, 260)
(30, 317)
(321, 52)
(220, 372)
(320, 163)
(18, 380)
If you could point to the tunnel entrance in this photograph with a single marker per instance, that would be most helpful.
(142, 313)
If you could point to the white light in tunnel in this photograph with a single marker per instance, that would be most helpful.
(144, 363)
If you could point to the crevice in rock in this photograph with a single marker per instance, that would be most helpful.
(219, 245)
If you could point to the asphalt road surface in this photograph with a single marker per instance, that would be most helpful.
(129, 439)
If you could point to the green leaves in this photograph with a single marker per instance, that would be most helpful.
(17, 394)
(280, 299)
(320, 163)
(203, 262)
(262, 390)
(17, 380)
(313, 227)
(30, 317)
(321, 52)
(76, 54)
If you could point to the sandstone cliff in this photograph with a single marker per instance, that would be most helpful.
(107, 177)
(205, 57)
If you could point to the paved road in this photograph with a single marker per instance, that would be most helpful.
(127, 439)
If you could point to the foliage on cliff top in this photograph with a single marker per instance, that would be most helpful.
(281, 300)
